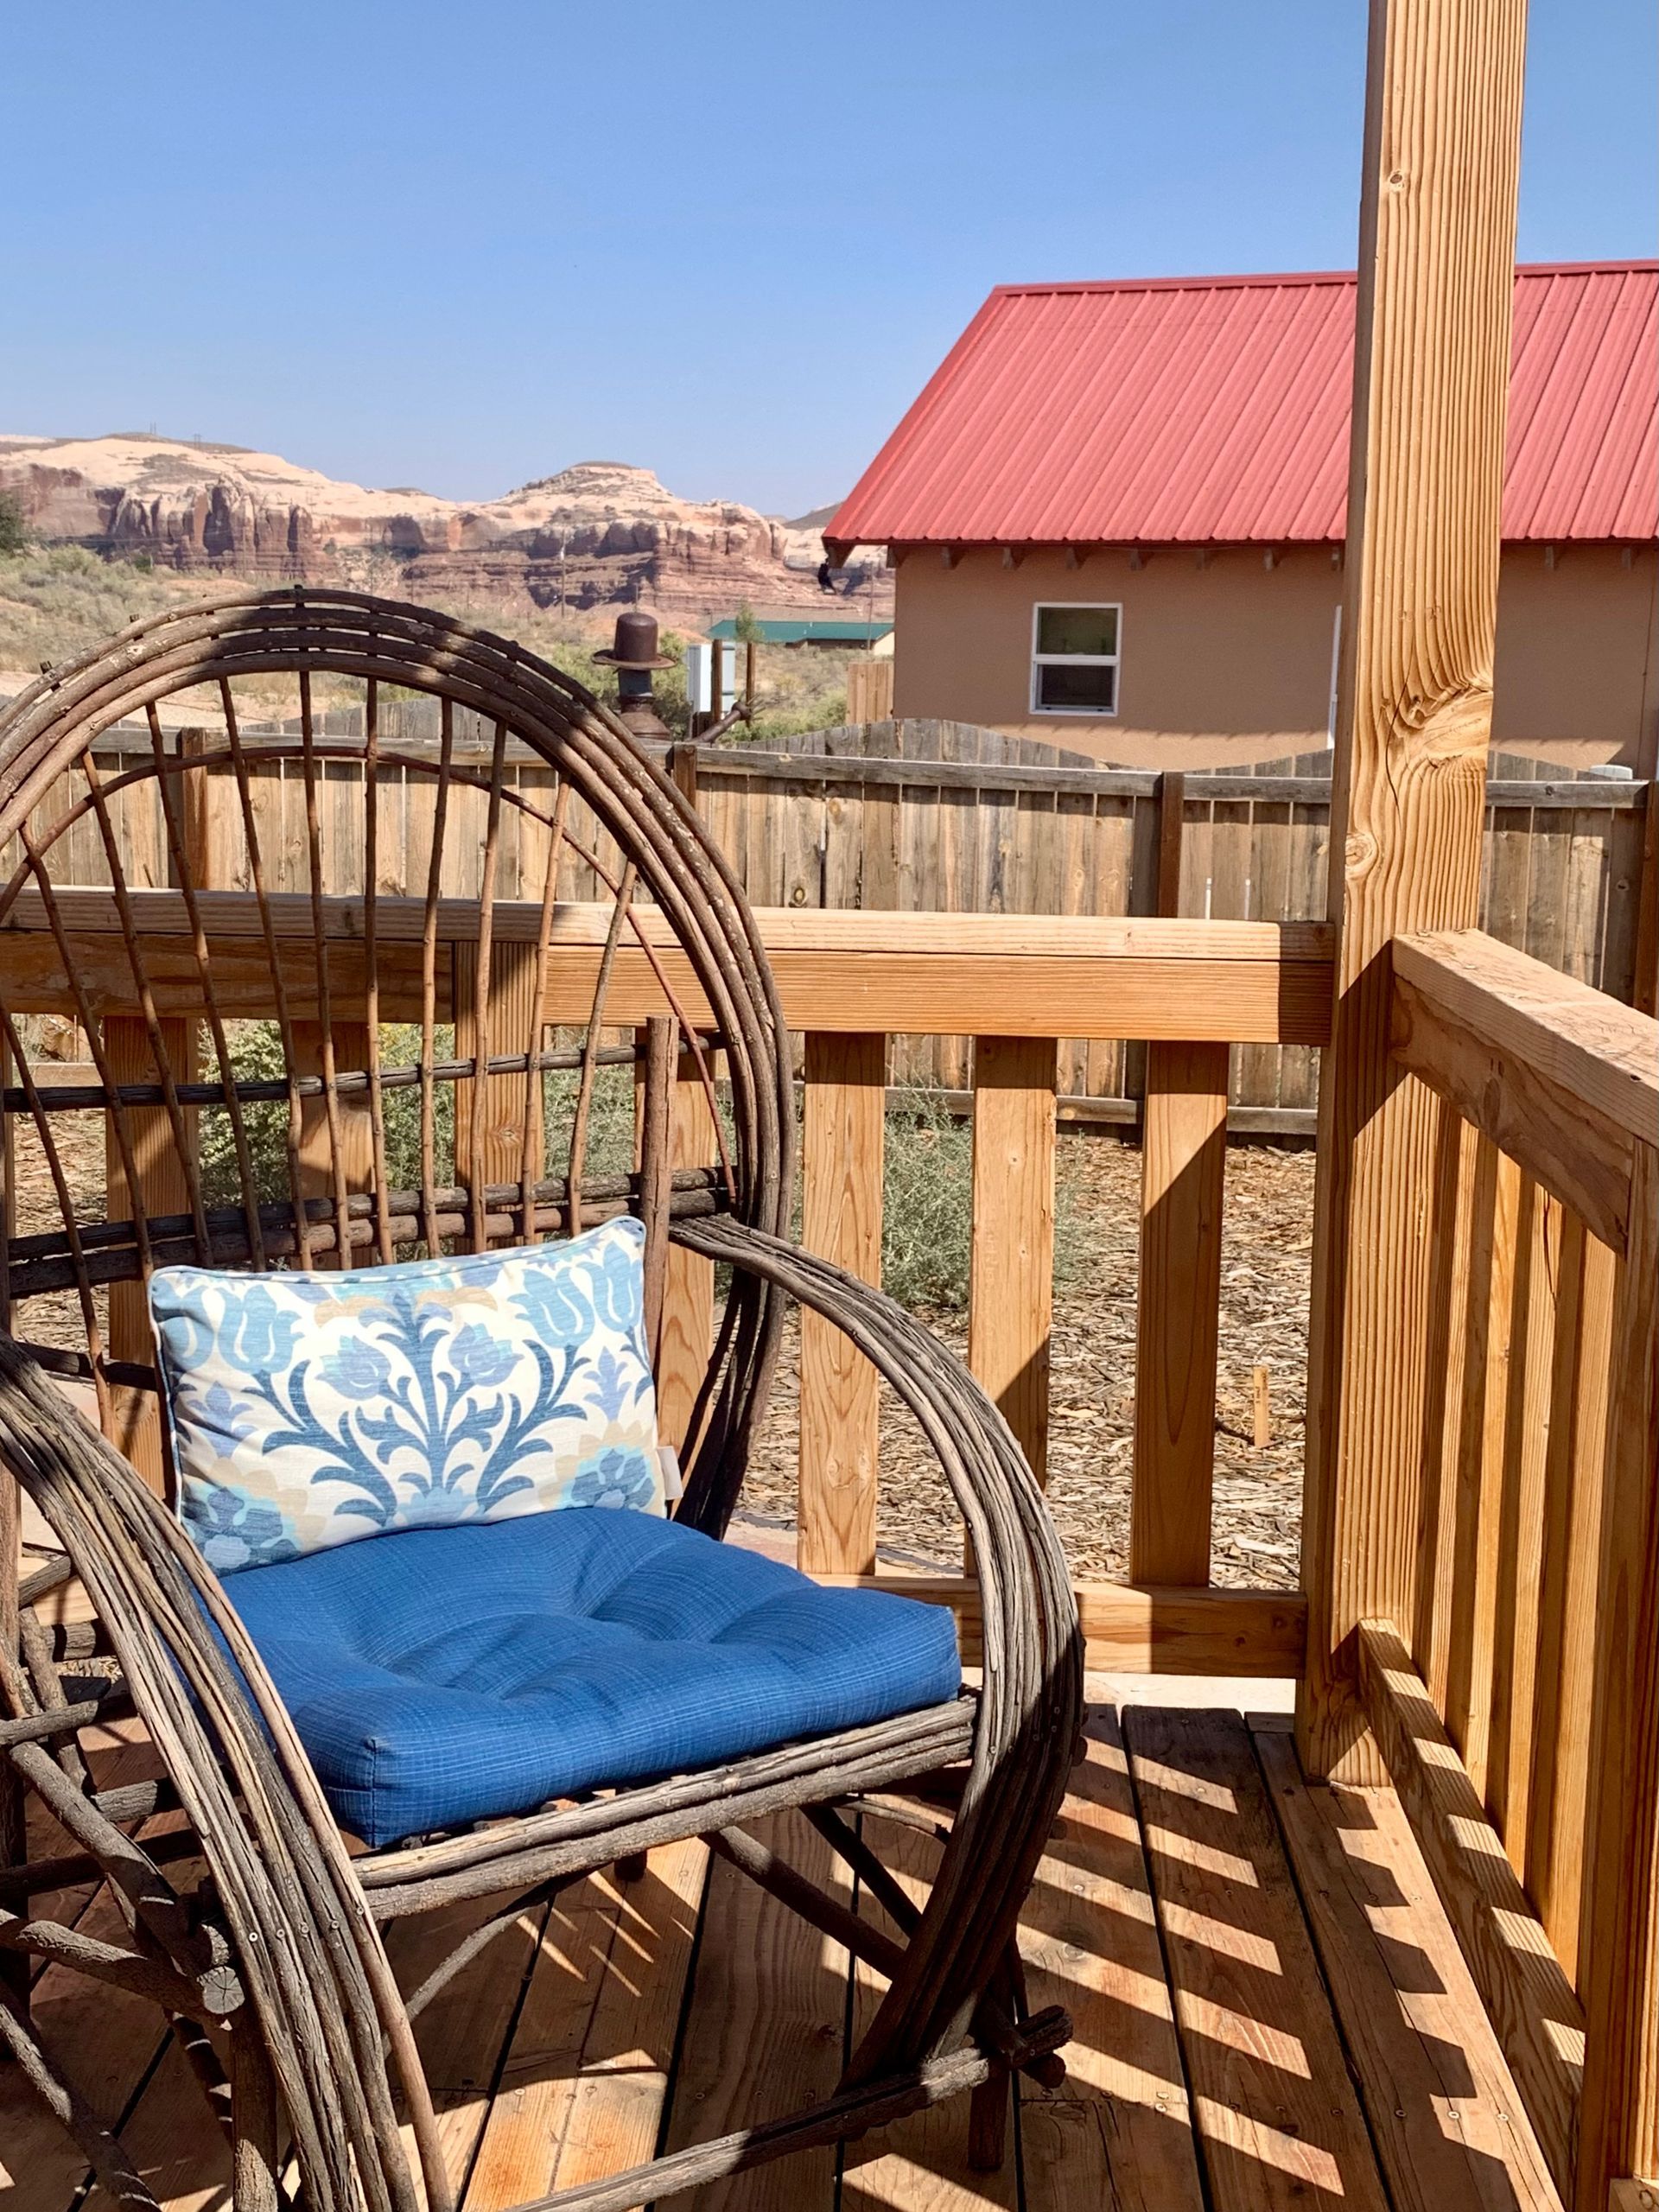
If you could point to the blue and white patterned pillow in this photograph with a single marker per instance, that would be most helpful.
(308, 1410)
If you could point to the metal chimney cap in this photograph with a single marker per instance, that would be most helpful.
(634, 644)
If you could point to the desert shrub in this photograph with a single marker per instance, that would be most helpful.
(927, 1205)
(13, 525)
(59, 601)
(257, 1056)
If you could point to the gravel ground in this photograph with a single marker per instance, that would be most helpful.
(1268, 1229)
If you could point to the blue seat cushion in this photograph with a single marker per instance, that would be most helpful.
(441, 1676)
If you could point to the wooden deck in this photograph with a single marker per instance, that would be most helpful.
(1271, 2011)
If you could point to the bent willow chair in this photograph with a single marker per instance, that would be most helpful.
(300, 1061)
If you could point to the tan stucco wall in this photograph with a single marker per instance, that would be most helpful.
(1230, 661)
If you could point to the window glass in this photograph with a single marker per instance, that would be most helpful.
(1090, 685)
(1077, 630)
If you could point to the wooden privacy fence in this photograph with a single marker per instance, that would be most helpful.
(887, 817)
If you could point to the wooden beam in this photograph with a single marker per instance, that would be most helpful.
(1431, 388)
(1618, 1960)
(1528, 1998)
(1182, 1160)
(1011, 1270)
(1137, 1629)
(844, 1112)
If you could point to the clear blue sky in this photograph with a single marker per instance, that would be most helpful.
(461, 245)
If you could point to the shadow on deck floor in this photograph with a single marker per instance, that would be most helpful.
(1270, 2009)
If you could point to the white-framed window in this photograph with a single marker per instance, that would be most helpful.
(1074, 654)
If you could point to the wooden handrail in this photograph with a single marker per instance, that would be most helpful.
(844, 970)
(1562, 1078)
(1598, 1051)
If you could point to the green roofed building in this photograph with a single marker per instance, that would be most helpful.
(805, 633)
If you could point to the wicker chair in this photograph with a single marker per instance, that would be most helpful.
(272, 1965)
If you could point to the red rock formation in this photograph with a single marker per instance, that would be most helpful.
(594, 537)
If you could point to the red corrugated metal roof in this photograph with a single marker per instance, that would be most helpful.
(1215, 411)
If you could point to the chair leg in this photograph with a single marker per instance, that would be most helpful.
(254, 2120)
(987, 2122)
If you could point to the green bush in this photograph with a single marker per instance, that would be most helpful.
(14, 525)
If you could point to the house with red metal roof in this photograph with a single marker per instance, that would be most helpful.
(1117, 512)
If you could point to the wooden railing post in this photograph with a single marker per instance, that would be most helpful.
(1432, 365)
(514, 1022)
(688, 1325)
(1011, 1286)
(1618, 1963)
(1183, 1163)
(135, 1414)
(844, 1131)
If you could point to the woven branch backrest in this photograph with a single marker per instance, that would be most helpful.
(435, 961)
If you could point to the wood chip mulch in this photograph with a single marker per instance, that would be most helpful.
(1266, 1246)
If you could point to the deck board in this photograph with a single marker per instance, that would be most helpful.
(665, 2010)
(1280, 2125)
(1448, 2126)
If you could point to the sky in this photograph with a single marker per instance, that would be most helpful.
(461, 246)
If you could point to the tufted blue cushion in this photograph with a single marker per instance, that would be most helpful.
(441, 1676)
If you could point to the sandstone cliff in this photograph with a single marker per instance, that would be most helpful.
(593, 537)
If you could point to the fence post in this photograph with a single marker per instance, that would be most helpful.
(1432, 366)
(1172, 822)
(682, 772)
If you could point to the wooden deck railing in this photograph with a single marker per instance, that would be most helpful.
(1516, 1701)
(1518, 1709)
(850, 982)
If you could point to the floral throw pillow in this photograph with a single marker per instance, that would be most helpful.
(308, 1410)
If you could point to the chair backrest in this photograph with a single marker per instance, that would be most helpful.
(385, 937)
